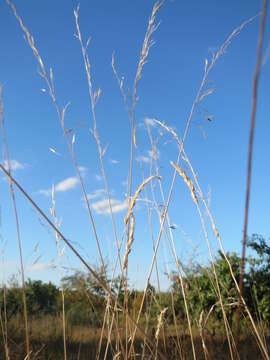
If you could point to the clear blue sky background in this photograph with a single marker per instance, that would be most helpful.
(188, 33)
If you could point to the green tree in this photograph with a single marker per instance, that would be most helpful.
(84, 298)
(201, 289)
(41, 297)
(259, 276)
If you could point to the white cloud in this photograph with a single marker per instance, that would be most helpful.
(95, 194)
(98, 177)
(62, 186)
(45, 192)
(143, 159)
(102, 206)
(9, 265)
(13, 266)
(67, 184)
(151, 155)
(114, 162)
(82, 169)
(37, 267)
(14, 165)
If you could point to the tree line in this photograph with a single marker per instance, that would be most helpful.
(85, 299)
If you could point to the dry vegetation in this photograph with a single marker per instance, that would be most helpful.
(94, 315)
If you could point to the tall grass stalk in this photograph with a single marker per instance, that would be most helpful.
(94, 97)
(250, 152)
(4, 321)
(147, 44)
(27, 340)
(60, 270)
(4, 334)
(169, 237)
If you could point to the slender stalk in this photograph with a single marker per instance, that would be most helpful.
(168, 237)
(17, 228)
(147, 44)
(93, 100)
(4, 335)
(58, 244)
(94, 97)
(4, 292)
(250, 154)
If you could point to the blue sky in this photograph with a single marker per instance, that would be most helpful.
(189, 32)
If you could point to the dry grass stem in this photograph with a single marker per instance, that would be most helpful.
(201, 329)
(147, 44)
(94, 96)
(160, 322)
(130, 242)
(60, 255)
(136, 196)
(27, 339)
(250, 151)
(187, 181)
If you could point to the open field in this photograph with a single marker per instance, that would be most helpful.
(82, 343)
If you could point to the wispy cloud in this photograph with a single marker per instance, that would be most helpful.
(62, 186)
(95, 194)
(146, 159)
(83, 170)
(9, 265)
(67, 184)
(37, 267)
(13, 266)
(114, 161)
(102, 206)
(98, 177)
(14, 165)
(45, 192)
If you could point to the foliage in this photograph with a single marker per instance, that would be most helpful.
(259, 276)
(85, 299)
(41, 297)
(201, 290)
